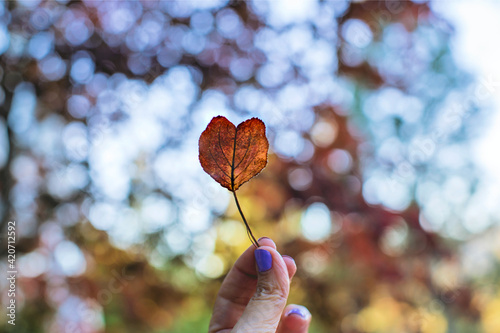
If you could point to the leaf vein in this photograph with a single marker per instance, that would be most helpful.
(246, 152)
(234, 155)
(216, 163)
(251, 160)
(220, 146)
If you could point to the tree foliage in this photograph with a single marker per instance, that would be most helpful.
(121, 231)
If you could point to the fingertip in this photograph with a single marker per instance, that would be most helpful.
(298, 310)
(266, 241)
(279, 267)
(246, 262)
(264, 259)
(296, 318)
(290, 265)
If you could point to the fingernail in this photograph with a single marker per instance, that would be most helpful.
(286, 255)
(262, 238)
(263, 259)
(296, 311)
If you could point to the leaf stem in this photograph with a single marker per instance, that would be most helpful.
(249, 231)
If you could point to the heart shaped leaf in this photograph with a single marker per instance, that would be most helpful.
(233, 155)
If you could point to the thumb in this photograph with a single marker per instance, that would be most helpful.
(263, 312)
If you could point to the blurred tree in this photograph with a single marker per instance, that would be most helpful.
(119, 230)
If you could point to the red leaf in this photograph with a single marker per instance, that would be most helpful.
(233, 155)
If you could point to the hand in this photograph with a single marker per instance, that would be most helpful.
(253, 296)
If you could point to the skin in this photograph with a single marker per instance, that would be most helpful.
(252, 301)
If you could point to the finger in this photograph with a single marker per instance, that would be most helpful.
(237, 289)
(245, 264)
(263, 312)
(290, 265)
(295, 319)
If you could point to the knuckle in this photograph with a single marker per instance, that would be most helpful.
(269, 292)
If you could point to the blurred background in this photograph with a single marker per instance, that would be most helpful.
(383, 179)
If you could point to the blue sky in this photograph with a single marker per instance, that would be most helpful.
(477, 50)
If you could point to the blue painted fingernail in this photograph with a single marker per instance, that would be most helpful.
(296, 311)
(264, 260)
